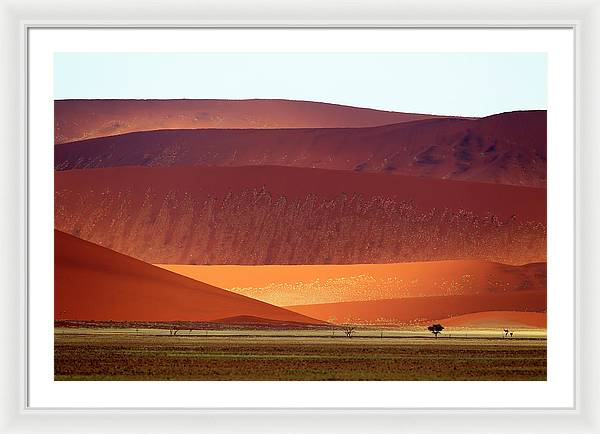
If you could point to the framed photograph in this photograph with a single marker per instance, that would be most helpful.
(296, 223)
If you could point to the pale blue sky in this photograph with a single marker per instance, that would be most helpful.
(468, 84)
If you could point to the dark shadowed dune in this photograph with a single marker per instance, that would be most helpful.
(282, 215)
(252, 321)
(83, 119)
(95, 283)
(509, 148)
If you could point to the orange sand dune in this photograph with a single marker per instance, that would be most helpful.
(80, 119)
(95, 283)
(508, 148)
(506, 319)
(284, 285)
(285, 215)
(422, 309)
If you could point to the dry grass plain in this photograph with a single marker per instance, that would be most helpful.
(152, 354)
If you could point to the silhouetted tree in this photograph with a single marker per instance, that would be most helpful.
(435, 329)
(349, 330)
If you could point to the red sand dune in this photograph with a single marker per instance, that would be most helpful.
(506, 319)
(283, 215)
(80, 119)
(95, 283)
(509, 148)
(422, 309)
(284, 285)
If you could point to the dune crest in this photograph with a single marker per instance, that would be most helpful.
(83, 119)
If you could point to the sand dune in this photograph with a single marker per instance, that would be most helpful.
(509, 148)
(501, 319)
(422, 309)
(95, 283)
(80, 119)
(283, 285)
(283, 215)
(256, 322)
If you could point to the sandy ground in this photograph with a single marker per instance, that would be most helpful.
(127, 355)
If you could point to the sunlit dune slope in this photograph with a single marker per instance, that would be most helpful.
(283, 215)
(508, 148)
(95, 283)
(308, 284)
(504, 319)
(423, 309)
(80, 119)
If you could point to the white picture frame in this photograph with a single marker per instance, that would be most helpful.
(17, 18)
